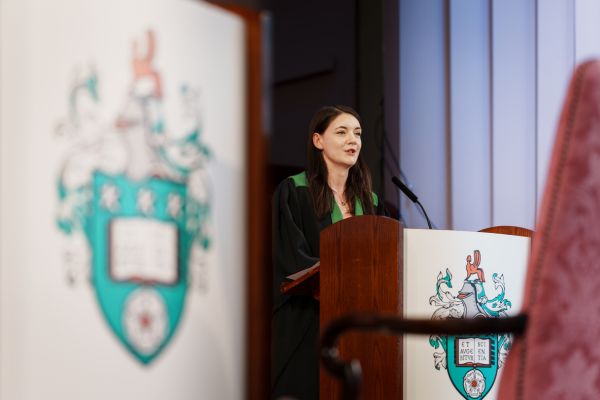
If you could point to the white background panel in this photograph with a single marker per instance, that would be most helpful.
(422, 109)
(470, 114)
(555, 61)
(513, 113)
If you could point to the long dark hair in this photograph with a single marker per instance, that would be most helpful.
(358, 184)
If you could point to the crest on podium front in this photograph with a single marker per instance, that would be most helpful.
(472, 362)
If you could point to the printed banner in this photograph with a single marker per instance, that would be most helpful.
(126, 126)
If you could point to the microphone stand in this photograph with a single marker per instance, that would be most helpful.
(409, 193)
(424, 213)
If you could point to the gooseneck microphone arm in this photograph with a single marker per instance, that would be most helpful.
(424, 213)
(411, 196)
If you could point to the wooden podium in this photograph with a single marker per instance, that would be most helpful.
(360, 271)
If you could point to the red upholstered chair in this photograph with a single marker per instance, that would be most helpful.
(558, 357)
(556, 354)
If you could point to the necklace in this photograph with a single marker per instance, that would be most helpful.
(339, 198)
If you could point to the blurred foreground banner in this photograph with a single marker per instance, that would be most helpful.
(122, 184)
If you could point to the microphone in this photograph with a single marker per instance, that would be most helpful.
(411, 196)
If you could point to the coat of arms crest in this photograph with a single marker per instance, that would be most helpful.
(472, 362)
(137, 196)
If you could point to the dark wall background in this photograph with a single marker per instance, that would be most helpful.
(331, 52)
(326, 53)
(314, 63)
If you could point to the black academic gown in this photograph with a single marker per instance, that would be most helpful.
(295, 321)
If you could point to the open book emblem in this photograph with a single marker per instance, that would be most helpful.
(139, 259)
(472, 363)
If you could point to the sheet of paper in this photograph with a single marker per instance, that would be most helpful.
(299, 274)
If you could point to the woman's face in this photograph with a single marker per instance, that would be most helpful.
(340, 142)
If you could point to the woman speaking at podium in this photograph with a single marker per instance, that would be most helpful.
(335, 185)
